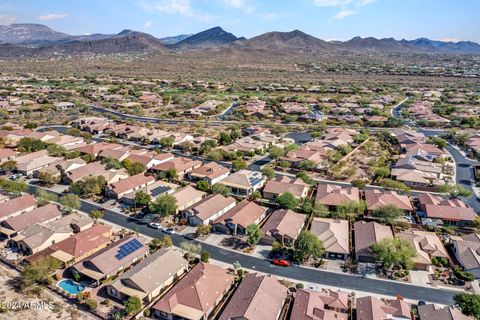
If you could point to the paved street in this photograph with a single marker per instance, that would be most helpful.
(339, 280)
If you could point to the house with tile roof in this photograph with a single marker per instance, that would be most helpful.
(196, 295)
(150, 277)
(94, 169)
(236, 220)
(187, 197)
(466, 249)
(47, 213)
(449, 212)
(211, 172)
(131, 184)
(275, 187)
(39, 236)
(335, 236)
(155, 190)
(16, 206)
(208, 209)
(181, 165)
(6, 155)
(258, 297)
(245, 182)
(112, 260)
(372, 308)
(283, 226)
(426, 244)
(78, 246)
(433, 312)
(367, 234)
(375, 199)
(320, 305)
(332, 196)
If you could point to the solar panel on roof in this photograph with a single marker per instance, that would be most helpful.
(255, 181)
(159, 190)
(128, 248)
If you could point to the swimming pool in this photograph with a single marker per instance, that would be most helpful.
(71, 286)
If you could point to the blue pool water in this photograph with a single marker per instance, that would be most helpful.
(70, 286)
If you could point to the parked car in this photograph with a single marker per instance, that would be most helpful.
(281, 262)
(169, 231)
(155, 225)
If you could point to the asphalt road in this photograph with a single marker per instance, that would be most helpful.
(340, 280)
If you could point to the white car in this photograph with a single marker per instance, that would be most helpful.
(155, 225)
(169, 231)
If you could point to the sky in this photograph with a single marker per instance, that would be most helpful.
(450, 20)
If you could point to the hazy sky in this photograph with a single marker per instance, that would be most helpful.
(326, 19)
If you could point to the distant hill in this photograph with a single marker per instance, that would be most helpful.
(19, 33)
(126, 41)
(175, 39)
(206, 39)
(287, 41)
(35, 40)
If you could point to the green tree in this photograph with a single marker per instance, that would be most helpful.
(164, 205)
(225, 138)
(439, 142)
(142, 199)
(350, 209)
(203, 185)
(203, 230)
(55, 150)
(134, 168)
(395, 252)
(254, 234)
(360, 184)
(70, 202)
(171, 174)
(91, 304)
(167, 142)
(307, 165)
(111, 163)
(89, 186)
(29, 145)
(388, 213)
(207, 146)
(306, 178)
(307, 245)
(133, 305)
(205, 256)
(455, 190)
(14, 187)
(38, 272)
(287, 201)
(393, 184)
(221, 189)
(468, 303)
(215, 155)
(381, 172)
(239, 164)
(96, 215)
(268, 172)
(8, 165)
(44, 197)
(276, 152)
(48, 178)
(476, 223)
(191, 249)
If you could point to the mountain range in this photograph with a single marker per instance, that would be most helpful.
(30, 40)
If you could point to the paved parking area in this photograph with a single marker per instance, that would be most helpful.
(261, 251)
(215, 239)
(420, 277)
